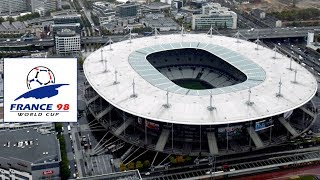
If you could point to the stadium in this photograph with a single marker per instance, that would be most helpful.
(192, 94)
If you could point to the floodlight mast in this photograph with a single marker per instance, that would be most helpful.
(279, 92)
(258, 43)
(182, 30)
(295, 76)
(110, 42)
(133, 95)
(275, 49)
(155, 33)
(249, 102)
(101, 54)
(211, 107)
(116, 78)
(167, 105)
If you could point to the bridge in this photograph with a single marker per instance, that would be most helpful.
(267, 33)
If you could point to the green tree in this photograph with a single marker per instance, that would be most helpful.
(139, 165)
(146, 163)
(2, 20)
(64, 164)
(28, 16)
(188, 158)
(131, 165)
(58, 127)
(10, 19)
(173, 160)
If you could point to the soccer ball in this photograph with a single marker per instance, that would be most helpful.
(40, 76)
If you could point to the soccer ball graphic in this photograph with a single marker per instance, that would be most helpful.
(40, 76)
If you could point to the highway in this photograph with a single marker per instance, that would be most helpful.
(266, 33)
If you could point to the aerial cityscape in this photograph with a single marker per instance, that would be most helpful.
(159, 89)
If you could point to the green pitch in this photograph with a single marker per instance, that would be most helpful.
(192, 84)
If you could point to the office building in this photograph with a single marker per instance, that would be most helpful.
(128, 9)
(28, 154)
(67, 19)
(12, 6)
(72, 26)
(216, 16)
(104, 11)
(43, 6)
(160, 22)
(67, 42)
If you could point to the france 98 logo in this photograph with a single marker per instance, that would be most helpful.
(41, 84)
(41, 95)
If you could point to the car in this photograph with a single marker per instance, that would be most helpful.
(74, 175)
(69, 167)
(147, 173)
(8, 40)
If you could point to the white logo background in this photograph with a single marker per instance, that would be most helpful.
(15, 84)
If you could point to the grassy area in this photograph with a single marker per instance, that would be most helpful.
(191, 84)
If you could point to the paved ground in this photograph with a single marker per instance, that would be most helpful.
(89, 165)
(99, 165)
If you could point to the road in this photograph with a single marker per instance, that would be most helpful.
(86, 12)
(69, 148)
(265, 33)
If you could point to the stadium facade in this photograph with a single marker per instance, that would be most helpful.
(198, 94)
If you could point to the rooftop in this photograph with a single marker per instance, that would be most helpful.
(29, 145)
(6, 26)
(191, 108)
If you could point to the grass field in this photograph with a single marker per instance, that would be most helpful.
(192, 84)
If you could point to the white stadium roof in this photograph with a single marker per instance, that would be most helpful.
(264, 74)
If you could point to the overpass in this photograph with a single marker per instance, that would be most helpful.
(267, 33)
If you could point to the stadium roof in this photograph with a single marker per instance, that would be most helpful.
(185, 108)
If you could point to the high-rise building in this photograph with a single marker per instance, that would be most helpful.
(13, 6)
(216, 16)
(128, 9)
(43, 6)
(67, 42)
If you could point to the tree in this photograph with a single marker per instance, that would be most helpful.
(28, 16)
(139, 165)
(80, 61)
(131, 165)
(146, 163)
(180, 159)
(173, 160)
(2, 19)
(58, 127)
(123, 167)
(188, 158)
(10, 19)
